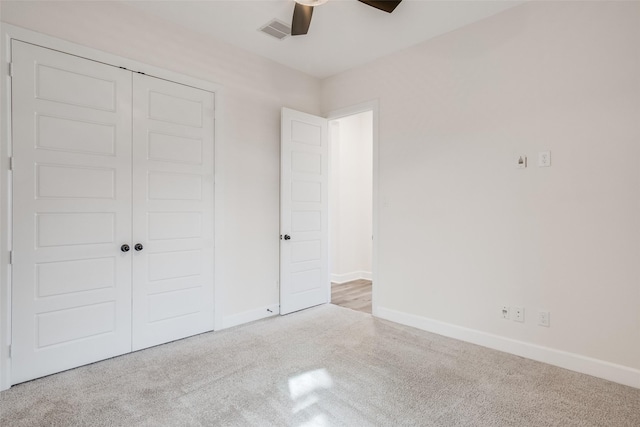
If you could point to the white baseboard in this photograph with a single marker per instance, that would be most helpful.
(349, 277)
(250, 316)
(572, 361)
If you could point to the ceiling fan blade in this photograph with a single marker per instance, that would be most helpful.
(301, 19)
(387, 6)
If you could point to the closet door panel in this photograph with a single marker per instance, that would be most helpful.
(71, 284)
(173, 211)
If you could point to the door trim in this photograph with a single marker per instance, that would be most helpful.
(11, 32)
(372, 106)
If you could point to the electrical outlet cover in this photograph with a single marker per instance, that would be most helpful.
(517, 314)
(544, 159)
(544, 318)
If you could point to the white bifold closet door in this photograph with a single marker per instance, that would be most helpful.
(172, 211)
(103, 157)
(71, 284)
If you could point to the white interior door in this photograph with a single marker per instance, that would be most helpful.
(71, 292)
(304, 180)
(173, 193)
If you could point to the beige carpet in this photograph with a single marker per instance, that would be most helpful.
(327, 366)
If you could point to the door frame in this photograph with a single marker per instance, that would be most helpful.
(10, 32)
(372, 106)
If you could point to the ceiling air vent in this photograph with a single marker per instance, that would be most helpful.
(277, 29)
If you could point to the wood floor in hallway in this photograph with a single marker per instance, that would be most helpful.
(355, 295)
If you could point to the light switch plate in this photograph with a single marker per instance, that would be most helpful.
(521, 161)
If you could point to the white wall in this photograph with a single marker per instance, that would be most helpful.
(248, 143)
(351, 197)
(462, 231)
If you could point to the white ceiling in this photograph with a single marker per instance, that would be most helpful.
(343, 33)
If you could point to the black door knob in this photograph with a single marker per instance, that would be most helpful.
(125, 248)
(287, 237)
(138, 247)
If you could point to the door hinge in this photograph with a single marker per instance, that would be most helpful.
(10, 70)
(10, 163)
(10, 351)
(10, 257)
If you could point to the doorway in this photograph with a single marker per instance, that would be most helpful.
(351, 210)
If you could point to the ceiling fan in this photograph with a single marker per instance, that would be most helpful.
(304, 10)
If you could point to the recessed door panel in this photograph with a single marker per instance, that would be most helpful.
(174, 225)
(170, 305)
(174, 265)
(64, 181)
(67, 229)
(306, 280)
(63, 326)
(306, 191)
(80, 88)
(71, 285)
(303, 132)
(59, 278)
(176, 149)
(174, 186)
(75, 135)
(306, 250)
(171, 107)
(306, 162)
(302, 221)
